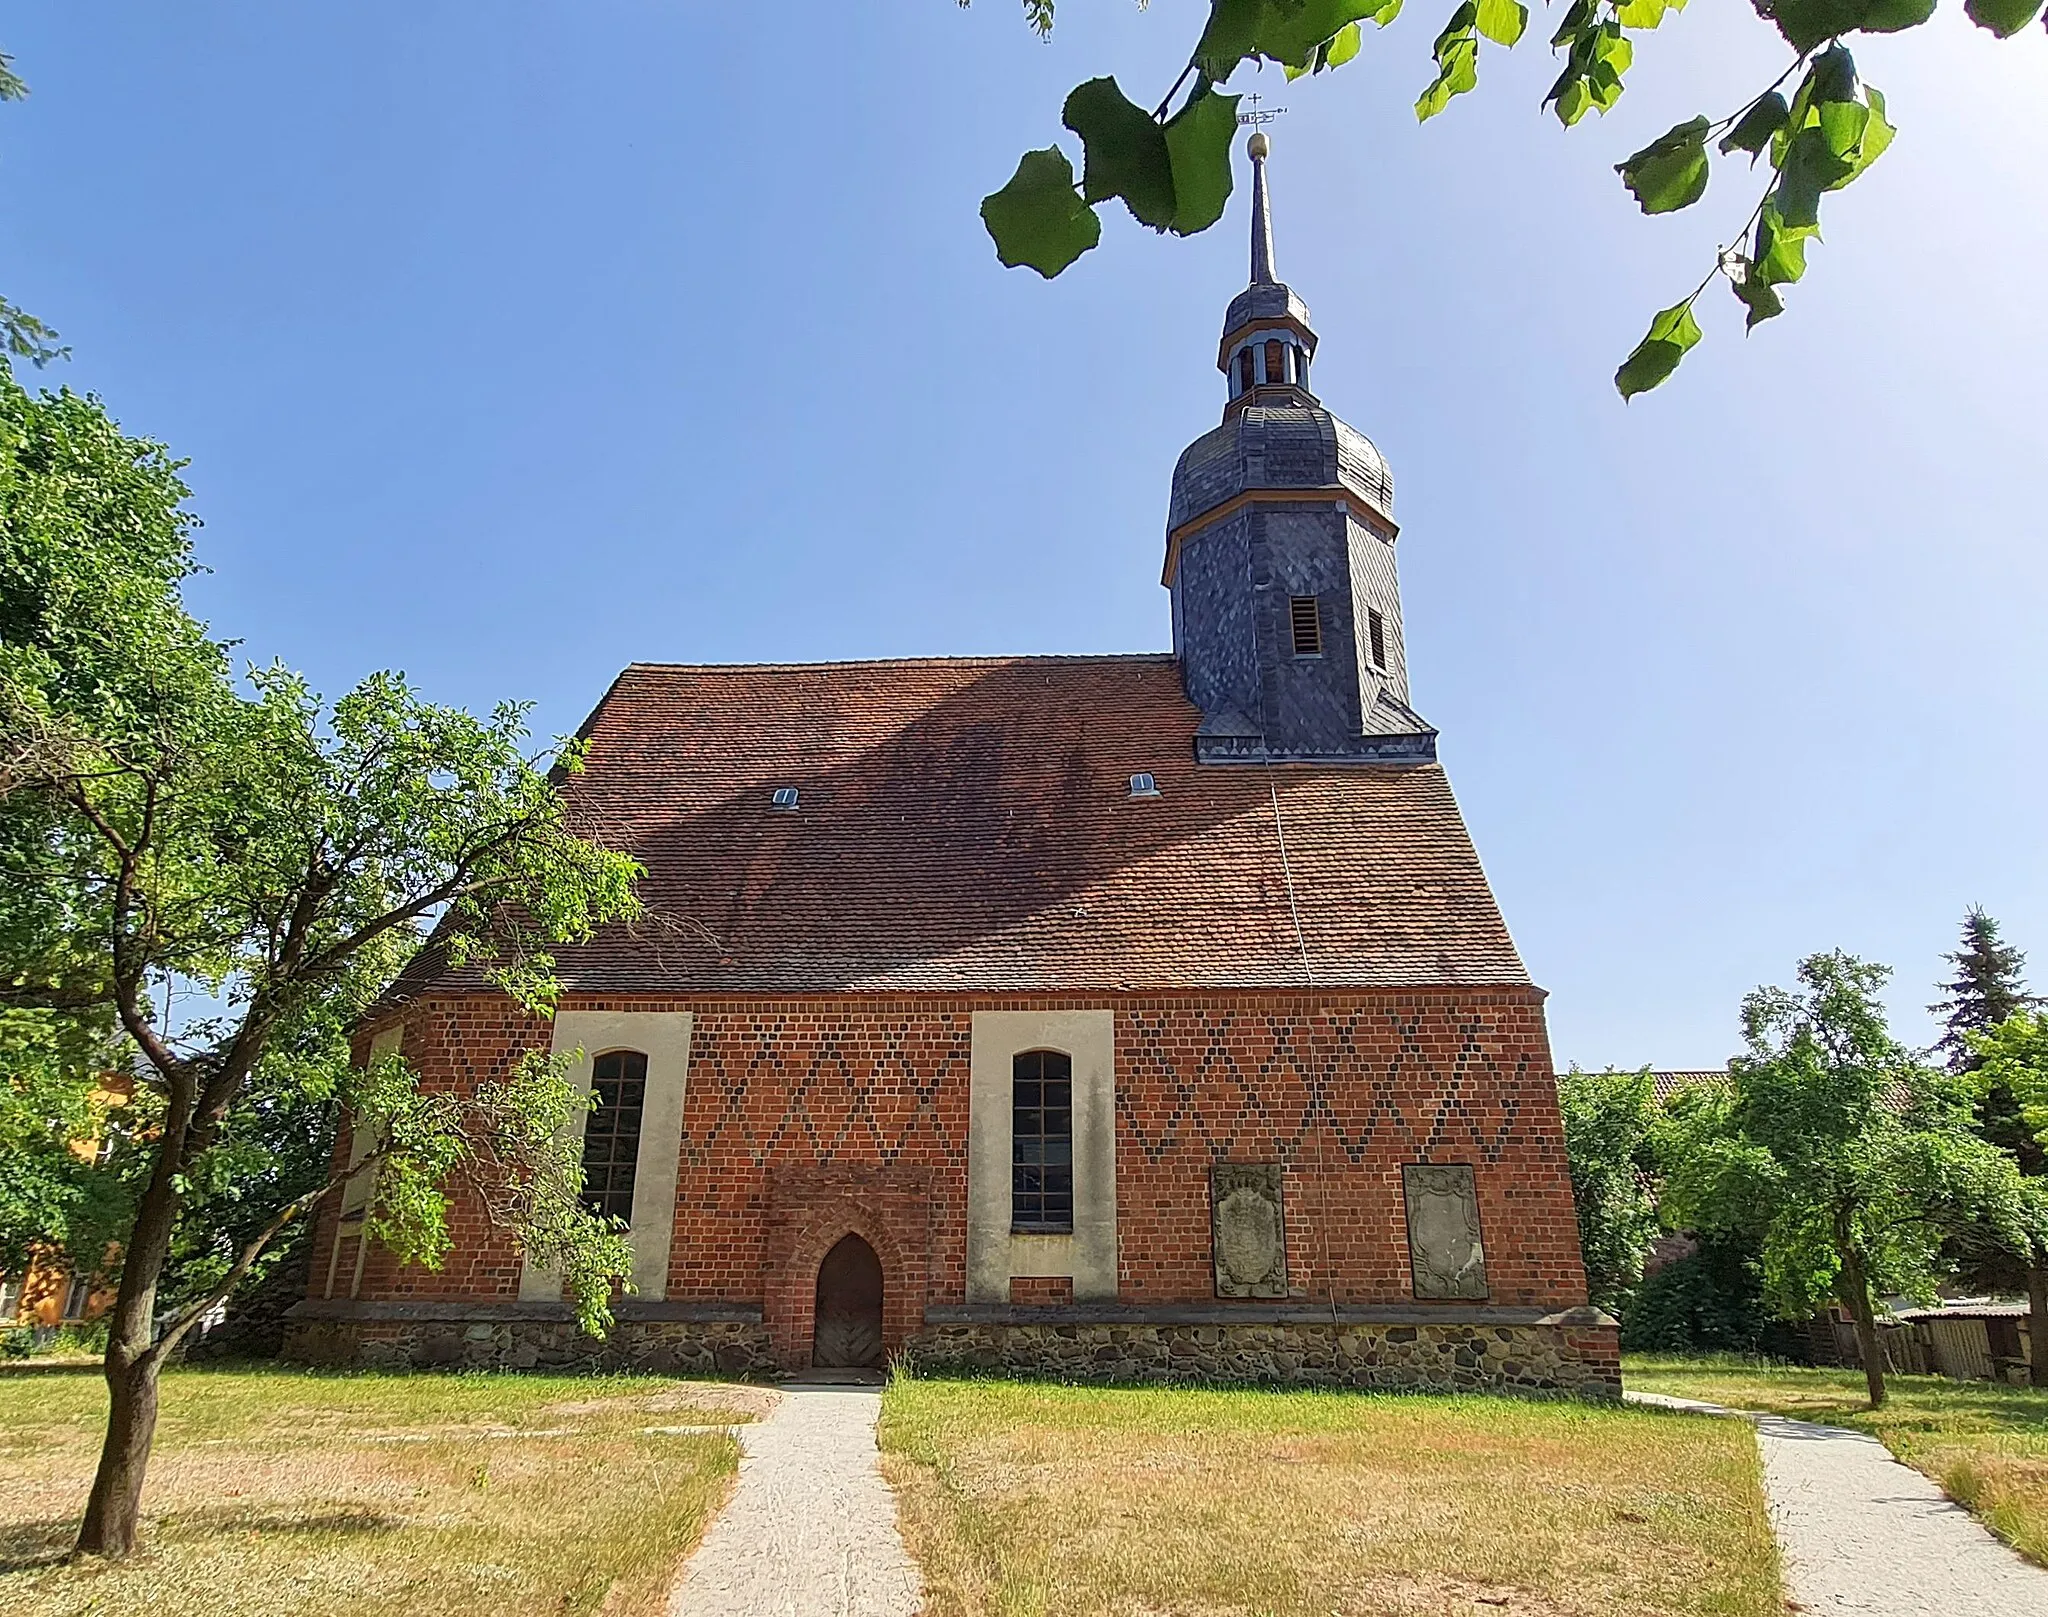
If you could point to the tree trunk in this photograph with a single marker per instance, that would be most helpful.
(113, 1512)
(2037, 1324)
(1854, 1288)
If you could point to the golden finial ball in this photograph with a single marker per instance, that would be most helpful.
(1258, 146)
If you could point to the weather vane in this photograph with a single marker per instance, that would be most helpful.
(1259, 114)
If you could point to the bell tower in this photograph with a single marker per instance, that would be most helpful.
(1280, 553)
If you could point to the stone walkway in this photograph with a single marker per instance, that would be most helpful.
(811, 1529)
(1865, 1535)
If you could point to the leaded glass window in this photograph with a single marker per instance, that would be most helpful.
(1042, 1141)
(611, 1139)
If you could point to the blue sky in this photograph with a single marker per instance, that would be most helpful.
(512, 343)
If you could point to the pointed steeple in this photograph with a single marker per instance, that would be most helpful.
(1262, 214)
(1280, 554)
(1267, 340)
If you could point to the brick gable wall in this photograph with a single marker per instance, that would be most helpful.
(1341, 1088)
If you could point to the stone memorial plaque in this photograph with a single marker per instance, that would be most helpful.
(1248, 1230)
(1443, 1231)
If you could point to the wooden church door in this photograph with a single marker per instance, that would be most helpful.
(848, 1329)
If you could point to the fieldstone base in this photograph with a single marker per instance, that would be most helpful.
(1479, 1349)
(1582, 1360)
(687, 1347)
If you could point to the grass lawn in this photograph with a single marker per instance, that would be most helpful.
(1019, 1499)
(1985, 1443)
(277, 1491)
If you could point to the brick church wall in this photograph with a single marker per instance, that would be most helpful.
(806, 1118)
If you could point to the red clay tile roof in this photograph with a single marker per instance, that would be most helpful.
(966, 824)
(1670, 1084)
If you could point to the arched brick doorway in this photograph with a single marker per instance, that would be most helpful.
(847, 1329)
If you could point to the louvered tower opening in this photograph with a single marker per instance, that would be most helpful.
(1308, 626)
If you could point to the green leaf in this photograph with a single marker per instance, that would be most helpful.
(26, 337)
(1126, 153)
(2001, 17)
(1502, 21)
(1808, 170)
(1780, 255)
(1759, 297)
(1294, 33)
(1753, 130)
(1230, 35)
(1877, 136)
(1671, 172)
(1671, 336)
(1645, 13)
(1348, 39)
(1841, 125)
(1038, 219)
(1198, 141)
(1457, 62)
(1578, 17)
(1805, 23)
(1894, 16)
(1833, 75)
(1591, 81)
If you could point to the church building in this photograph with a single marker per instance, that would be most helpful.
(1113, 1017)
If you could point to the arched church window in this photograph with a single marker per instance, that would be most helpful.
(1276, 360)
(611, 1138)
(1244, 370)
(1042, 1141)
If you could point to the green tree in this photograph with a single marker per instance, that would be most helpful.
(1985, 991)
(21, 333)
(281, 856)
(1609, 1122)
(1989, 985)
(1850, 1158)
(56, 1197)
(1814, 128)
(2012, 1064)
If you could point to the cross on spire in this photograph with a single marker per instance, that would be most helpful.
(1260, 113)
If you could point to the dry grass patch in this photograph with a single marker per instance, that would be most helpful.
(1023, 1499)
(1984, 1442)
(278, 1492)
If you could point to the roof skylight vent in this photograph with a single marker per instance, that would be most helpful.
(1144, 786)
(784, 798)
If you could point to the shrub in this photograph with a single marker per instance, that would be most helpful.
(1710, 1302)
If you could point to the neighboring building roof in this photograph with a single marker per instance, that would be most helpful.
(1669, 1085)
(1984, 1310)
(967, 824)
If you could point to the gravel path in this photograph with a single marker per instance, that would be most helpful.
(1865, 1535)
(811, 1529)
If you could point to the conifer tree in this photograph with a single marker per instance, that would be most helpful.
(1985, 994)
(1986, 989)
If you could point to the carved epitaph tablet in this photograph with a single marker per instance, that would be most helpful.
(1247, 1229)
(1443, 1231)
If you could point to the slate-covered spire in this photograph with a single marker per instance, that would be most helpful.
(1280, 553)
(1262, 213)
(1267, 340)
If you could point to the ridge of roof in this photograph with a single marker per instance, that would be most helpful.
(999, 661)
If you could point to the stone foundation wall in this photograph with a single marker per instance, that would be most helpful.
(1575, 1353)
(1582, 1360)
(727, 1348)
